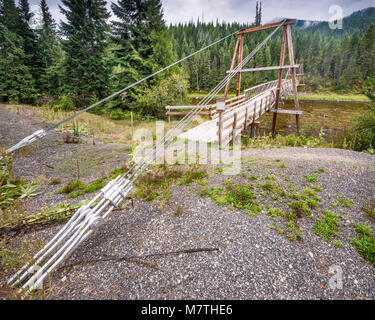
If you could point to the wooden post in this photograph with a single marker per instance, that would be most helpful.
(169, 115)
(245, 123)
(293, 73)
(232, 66)
(252, 133)
(282, 59)
(255, 108)
(220, 108)
(234, 130)
(220, 129)
(240, 54)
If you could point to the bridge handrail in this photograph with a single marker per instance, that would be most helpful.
(211, 110)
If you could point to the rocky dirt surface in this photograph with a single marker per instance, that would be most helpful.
(211, 251)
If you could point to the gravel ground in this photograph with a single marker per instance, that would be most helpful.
(50, 158)
(212, 252)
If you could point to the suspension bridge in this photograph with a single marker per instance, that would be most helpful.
(229, 118)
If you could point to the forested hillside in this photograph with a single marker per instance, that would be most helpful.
(337, 61)
(89, 56)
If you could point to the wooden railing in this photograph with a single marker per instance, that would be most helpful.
(231, 122)
(211, 111)
(186, 109)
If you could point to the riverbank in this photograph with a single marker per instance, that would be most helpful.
(324, 96)
(332, 97)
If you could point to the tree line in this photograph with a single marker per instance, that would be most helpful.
(87, 57)
(331, 62)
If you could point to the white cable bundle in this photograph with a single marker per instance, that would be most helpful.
(79, 227)
(28, 140)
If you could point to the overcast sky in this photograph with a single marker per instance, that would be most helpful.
(242, 10)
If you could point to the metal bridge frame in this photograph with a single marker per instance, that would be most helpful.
(287, 37)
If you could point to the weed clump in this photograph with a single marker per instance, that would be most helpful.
(238, 196)
(365, 243)
(342, 202)
(78, 188)
(369, 210)
(328, 227)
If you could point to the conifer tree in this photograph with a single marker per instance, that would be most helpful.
(50, 51)
(30, 42)
(142, 46)
(85, 73)
(16, 81)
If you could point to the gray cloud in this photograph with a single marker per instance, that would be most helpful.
(176, 11)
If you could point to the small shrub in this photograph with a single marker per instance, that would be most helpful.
(117, 114)
(66, 103)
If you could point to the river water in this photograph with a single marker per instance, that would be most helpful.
(334, 117)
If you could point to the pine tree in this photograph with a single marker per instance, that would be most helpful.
(50, 50)
(258, 13)
(86, 75)
(9, 15)
(30, 42)
(142, 46)
(140, 22)
(16, 81)
(367, 52)
(48, 22)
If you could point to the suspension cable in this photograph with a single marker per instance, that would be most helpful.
(41, 133)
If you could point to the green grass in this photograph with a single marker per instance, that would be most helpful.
(312, 194)
(369, 210)
(338, 244)
(291, 140)
(327, 228)
(294, 233)
(268, 186)
(316, 188)
(193, 174)
(78, 188)
(275, 212)
(301, 208)
(54, 182)
(365, 243)
(237, 196)
(320, 171)
(343, 202)
(311, 178)
(334, 96)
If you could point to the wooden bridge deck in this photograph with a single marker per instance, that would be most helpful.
(254, 104)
